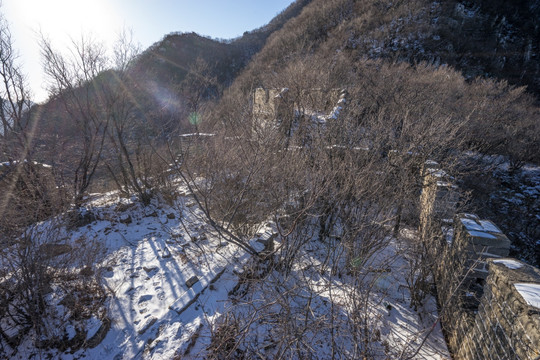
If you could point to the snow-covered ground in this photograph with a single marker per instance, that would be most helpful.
(151, 253)
(316, 310)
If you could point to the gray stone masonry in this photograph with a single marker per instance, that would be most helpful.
(438, 201)
(480, 239)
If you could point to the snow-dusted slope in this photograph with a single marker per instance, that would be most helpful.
(170, 278)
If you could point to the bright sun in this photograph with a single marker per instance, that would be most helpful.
(61, 20)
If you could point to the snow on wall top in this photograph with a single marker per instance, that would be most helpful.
(511, 264)
(530, 293)
(481, 228)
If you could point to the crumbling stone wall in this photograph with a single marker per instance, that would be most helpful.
(507, 325)
(271, 106)
(462, 272)
(489, 305)
(438, 200)
(320, 100)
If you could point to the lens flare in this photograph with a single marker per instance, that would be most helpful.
(165, 98)
(194, 118)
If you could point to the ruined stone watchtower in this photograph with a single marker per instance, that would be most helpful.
(271, 107)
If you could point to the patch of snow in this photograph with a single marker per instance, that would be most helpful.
(489, 226)
(481, 234)
(438, 173)
(92, 327)
(154, 315)
(471, 224)
(71, 332)
(480, 228)
(446, 184)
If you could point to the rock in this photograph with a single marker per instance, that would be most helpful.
(81, 218)
(151, 214)
(87, 271)
(126, 219)
(53, 250)
(149, 269)
(124, 207)
(192, 281)
(144, 298)
(147, 325)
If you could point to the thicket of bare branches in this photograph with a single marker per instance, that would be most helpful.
(46, 283)
(348, 184)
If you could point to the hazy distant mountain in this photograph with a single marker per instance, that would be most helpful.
(169, 60)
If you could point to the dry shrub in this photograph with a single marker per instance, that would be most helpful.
(48, 284)
(224, 342)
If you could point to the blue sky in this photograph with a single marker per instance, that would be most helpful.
(149, 20)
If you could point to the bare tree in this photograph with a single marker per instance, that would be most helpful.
(71, 81)
(129, 150)
(15, 101)
(28, 192)
(346, 184)
(39, 263)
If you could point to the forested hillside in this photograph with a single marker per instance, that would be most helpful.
(481, 39)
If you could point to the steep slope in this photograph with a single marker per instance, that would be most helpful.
(408, 65)
(478, 38)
